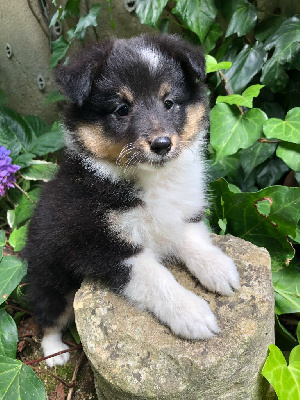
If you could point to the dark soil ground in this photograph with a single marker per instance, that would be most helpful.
(57, 380)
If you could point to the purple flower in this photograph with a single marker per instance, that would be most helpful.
(6, 170)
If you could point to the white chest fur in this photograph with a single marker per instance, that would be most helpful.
(171, 195)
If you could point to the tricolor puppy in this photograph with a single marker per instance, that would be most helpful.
(131, 189)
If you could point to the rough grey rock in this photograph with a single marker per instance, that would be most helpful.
(135, 357)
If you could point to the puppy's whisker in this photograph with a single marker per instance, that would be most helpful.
(127, 149)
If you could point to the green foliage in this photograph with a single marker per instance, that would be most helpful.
(28, 138)
(61, 46)
(231, 130)
(212, 65)
(244, 99)
(12, 271)
(18, 381)
(8, 335)
(149, 11)
(198, 16)
(254, 77)
(284, 378)
(246, 220)
(243, 19)
(285, 40)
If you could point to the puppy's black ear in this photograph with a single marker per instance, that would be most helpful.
(190, 57)
(75, 80)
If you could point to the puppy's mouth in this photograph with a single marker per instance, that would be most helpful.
(156, 151)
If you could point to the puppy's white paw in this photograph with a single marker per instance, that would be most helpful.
(220, 275)
(192, 318)
(51, 344)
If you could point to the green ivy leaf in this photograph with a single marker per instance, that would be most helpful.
(198, 17)
(19, 382)
(212, 65)
(36, 124)
(17, 238)
(267, 27)
(24, 159)
(60, 48)
(211, 38)
(290, 154)
(15, 134)
(48, 142)
(12, 271)
(284, 378)
(243, 19)
(270, 172)
(286, 42)
(286, 282)
(288, 130)
(8, 335)
(256, 155)
(25, 208)
(227, 8)
(246, 65)
(231, 130)
(2, 242)
(56, 17)
(270, 232)
(72, 8)
(53, 97)
(149, 11)
(225, 166)
(244, 99)
(39, 170)
(88, 20)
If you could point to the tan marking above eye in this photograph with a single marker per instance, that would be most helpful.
(164, 90)
(96, 142)
(126, 94)
(194, 117)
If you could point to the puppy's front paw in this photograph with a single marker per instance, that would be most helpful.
(192, 318)
(51, 344)
(220, 275)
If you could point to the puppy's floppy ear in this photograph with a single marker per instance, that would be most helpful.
(190, 57)
(75, 80)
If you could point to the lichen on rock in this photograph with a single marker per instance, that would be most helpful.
(135, 357)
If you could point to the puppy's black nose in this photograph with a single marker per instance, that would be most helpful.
(161, 145)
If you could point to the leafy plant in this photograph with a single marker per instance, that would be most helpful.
(253, 75)
(28, 139)
(62, 44)
(284, 378)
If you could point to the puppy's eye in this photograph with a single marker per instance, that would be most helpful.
(168, 104)
(123, 110)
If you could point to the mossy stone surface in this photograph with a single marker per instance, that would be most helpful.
(135, 357)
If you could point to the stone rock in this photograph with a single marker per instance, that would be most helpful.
(135, 357)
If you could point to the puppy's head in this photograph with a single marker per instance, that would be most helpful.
(135, 101)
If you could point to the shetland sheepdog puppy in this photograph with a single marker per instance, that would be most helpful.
(130, 191)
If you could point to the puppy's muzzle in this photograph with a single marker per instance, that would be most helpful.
(161, 145)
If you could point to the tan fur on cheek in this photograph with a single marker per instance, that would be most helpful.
(194, 118)
(94, 140)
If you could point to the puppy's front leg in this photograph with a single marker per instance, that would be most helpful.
(154, 288)
(208, 263)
